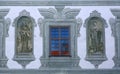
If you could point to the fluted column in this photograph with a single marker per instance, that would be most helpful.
(115, 26)
(4, 27)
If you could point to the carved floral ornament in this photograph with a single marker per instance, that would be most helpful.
(52, 13)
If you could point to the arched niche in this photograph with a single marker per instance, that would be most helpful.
(95, 38)
(24, 38)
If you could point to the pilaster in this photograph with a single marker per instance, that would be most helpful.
(115, 27)
(4, 27)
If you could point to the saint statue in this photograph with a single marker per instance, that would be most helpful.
(24, 36)
(95, 36)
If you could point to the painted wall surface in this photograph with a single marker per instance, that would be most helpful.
(84, 13)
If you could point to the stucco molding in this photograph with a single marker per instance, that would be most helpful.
(59, 2)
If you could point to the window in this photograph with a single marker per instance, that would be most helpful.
(59, 41)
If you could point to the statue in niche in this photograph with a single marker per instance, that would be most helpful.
(24, 35)
(95, 36)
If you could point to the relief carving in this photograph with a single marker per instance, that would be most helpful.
(24, 35)
(7, 22)
(95, 36)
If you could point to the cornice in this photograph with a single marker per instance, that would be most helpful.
(59, 2)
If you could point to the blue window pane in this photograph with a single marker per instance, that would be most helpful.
(64, 35)
(54, 33)
(55, 36)
(64, 29)
(59, 41)
(55, 41)
(54, 45)
(54, 29)
(65, 32)
(64, 45)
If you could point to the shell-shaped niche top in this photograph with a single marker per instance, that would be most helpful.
(95, 14)
(24, 13)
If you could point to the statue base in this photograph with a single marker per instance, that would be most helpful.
(60, 62)
(24, 60)
(96, 60)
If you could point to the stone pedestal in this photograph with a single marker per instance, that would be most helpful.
(4, 27)
(56, 18)
(115, 27)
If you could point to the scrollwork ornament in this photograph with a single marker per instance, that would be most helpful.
(40, 23)
(112, 24)
(79, 24)
(7, 23)
(24, 13)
